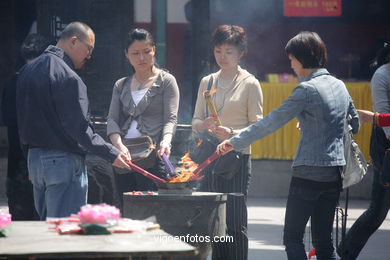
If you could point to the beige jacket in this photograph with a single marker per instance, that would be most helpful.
(156, 113)
(241, 105)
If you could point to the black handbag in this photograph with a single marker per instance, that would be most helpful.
(142, 150)
(380, 153)
(225, 166)
(228, 165)
(205, 144)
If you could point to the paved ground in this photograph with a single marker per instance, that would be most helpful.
(266, 217)
(266, 230)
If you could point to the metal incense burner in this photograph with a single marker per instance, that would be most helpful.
(176, 187)
(199, 214)
(179, 210)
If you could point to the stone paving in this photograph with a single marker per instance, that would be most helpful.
(266, 218)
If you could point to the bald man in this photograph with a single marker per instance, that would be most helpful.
(52, 109)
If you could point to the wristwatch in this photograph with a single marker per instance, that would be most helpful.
(231, 132)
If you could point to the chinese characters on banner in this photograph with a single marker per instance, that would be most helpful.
(312, 7)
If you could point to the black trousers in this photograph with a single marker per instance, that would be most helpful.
(373, 217)
(316, 201)
(236, 210)
(368, 222)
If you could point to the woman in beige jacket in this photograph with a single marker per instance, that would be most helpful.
(238, 101)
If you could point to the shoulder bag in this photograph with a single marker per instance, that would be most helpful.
(356, 165)
(142, 150)
(380, 153)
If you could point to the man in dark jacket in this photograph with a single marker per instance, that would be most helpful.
(53, 119)
(19, 188)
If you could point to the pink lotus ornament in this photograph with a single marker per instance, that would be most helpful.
(101, 214)
(5, 221)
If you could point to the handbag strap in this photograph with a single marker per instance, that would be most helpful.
(209, 85)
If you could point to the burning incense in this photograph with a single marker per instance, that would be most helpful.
(211, 106)
(185, 170)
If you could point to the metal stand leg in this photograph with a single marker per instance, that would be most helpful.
(345, 216)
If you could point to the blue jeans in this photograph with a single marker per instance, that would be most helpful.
(60, 182)
(368, 222)
(306, 201)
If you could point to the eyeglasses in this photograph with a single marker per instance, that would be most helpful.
(89, 47)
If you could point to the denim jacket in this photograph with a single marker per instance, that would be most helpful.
(321, 104)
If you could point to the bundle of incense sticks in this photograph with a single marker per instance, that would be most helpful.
(212, 108)
(168, 165)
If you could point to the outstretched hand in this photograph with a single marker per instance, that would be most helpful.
(365, 116)
(224, 147)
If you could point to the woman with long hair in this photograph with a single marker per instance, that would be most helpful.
(145, 103)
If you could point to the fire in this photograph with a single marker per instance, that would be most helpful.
(209, 92)
(200, 141)
(185, 170)
(213, 90)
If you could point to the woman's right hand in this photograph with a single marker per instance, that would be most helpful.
(124, 150)
(116, 140)
(121, 162)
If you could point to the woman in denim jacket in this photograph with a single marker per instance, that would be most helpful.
(321, 103)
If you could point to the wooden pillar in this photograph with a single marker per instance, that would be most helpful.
(200, 43)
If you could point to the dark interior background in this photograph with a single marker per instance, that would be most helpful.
(352, 39)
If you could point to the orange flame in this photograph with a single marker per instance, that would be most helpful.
(200, 141)
(185, 170)
(213, 90)
(209, 92)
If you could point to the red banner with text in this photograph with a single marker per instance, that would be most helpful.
(296, 8)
